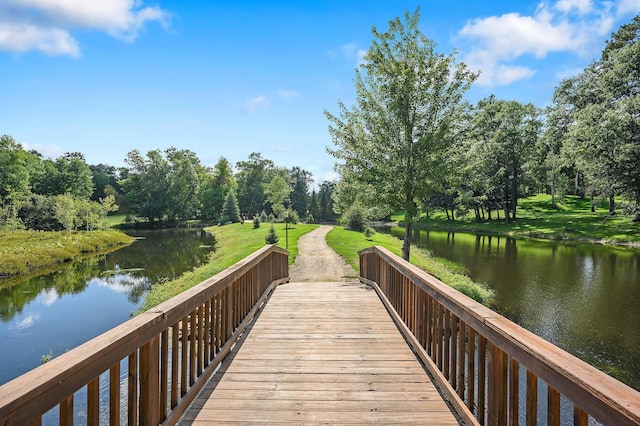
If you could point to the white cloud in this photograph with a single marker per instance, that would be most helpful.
(253, 104)
(47, 151)
(351, 53)
(46, 25)
(625, 7)
(567, 26)
(581, 6)
(26, 322)
(287, 94)
(25, 37)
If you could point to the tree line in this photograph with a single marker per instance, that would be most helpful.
(411, 141)
(170, 186)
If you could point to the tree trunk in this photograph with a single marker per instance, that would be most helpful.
(612, 204)
(453, 215)
(406, 244)
(514, 194)
(575, 185)
(593, 206)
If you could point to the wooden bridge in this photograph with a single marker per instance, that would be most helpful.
(396, 347)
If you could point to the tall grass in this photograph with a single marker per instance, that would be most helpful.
(22, 252)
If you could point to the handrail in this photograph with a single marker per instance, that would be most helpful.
(168, 353)
(479, 357)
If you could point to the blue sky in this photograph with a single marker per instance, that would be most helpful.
(227, 78)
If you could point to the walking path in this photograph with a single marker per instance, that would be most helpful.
(317, 262)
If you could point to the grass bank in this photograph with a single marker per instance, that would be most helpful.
(347, 244)
(23, 252)
(571, 220)
(234, 242)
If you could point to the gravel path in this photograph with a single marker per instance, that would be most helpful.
(317, 262)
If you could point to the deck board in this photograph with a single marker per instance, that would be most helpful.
(321, 353)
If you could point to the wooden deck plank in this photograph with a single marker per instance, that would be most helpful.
(321, 353)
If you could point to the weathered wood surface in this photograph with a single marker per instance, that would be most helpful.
(321, 353)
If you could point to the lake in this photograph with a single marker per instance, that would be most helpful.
(53, 313)
(584, 298)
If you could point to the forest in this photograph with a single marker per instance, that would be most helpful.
(164, 188)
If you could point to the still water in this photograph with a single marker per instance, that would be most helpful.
(584, 298)
(56, 312)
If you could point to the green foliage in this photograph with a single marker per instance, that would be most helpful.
(256, 222)
(230, 209)
(46, 357)
(314, 206)
(408, 104)
(271, 237)
(301, 180)
(355, 218)
(368, 232)
(277, 192)
(251, 177)
(214, 186)
(264, 217)
(25, 251)
(293, 217)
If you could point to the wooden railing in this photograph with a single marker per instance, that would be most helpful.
(493, 371)
(153, 365)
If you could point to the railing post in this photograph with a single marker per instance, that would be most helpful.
(150, 382)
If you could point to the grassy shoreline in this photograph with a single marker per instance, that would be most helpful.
(572, 220)
(347, 244)
(234, 242)
(26, 252)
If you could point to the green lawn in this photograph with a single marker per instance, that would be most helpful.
(347, 244)
(234, 242)
(571, 220)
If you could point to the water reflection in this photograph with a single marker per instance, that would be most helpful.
(60, 310)
(583, 298)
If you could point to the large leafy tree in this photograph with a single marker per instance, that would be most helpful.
(14, 171)
(183, 183)
(605, 136)
(506, 133)
(251, 177)
(146, 183)
(408, 100)
(277, 192)
(215, 184)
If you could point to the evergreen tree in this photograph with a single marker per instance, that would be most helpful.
(314, 205)
(230, 209)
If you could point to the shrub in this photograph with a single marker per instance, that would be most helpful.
(223, 219)
(264, 217)
(310, 218)
(256, 222)
(271, 237)
(294, 218)
(354, 218)
(368, 232)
